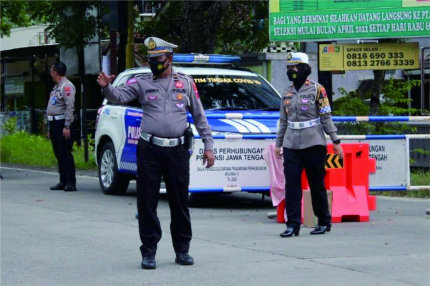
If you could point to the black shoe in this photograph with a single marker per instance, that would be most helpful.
(58, 187)
(321, 229)
(290, 231)
(148, 262)
(70, 188)
(184, 259)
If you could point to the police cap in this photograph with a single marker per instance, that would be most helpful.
(158, 47)
(297, 58)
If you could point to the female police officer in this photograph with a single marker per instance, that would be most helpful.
(305, 115)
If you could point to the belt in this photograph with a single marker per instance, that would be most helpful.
(163, 142)
(304, 124)
(56, 117)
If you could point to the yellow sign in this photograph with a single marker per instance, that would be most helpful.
(333, 161)
(226, 80)
(369, 57)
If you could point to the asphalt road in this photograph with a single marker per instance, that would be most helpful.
(88, 238)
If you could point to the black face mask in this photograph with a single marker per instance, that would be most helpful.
(292, 75)
(157, 67)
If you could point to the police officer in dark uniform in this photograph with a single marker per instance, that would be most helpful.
(165, 95)
(305, 115)
(61, 128)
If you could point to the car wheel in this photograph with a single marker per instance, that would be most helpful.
(195, 200)
(111, 181)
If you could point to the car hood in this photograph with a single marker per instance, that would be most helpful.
(243, 122)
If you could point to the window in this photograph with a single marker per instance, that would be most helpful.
(236, 93)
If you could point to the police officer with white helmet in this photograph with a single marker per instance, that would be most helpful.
(165, 95)
(305, 115)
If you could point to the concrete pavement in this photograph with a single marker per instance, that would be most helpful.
(88, 238)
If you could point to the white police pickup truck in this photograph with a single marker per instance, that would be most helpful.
(242, 110)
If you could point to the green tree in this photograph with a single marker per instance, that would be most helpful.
(378, 82)
(395, 103)
(72, 23)
(211, 26)
(21, 14)
(244, 27)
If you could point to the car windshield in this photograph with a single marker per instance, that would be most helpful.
(230, 92)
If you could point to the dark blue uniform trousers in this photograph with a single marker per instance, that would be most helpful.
(63, 151)
(173, 165)
(313, 160)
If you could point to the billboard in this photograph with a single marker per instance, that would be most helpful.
(369, 57)
(322, 20)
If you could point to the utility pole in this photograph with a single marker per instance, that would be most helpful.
(129, 63)
(81, 59)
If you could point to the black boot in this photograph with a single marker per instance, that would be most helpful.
(290, 231)
(321, 229)
(58, 187)
(70, 188)
(148, 262)
(184, 259)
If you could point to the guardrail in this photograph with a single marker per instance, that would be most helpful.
(335, 118)
(406, 137)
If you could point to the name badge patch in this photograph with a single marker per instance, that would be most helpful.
(152, 97)
(180, 105)
(130, 81)
(179, 84)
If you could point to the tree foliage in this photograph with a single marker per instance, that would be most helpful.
(21, 14)
(378, 81)
(395, 95)
(244, 27)
(73, 23)
(211, 26)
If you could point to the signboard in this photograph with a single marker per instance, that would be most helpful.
(322, 20)
(369, 57)
(391, 159)
(14, 87)
(240, 164)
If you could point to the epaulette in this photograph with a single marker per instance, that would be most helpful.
(184, 75)
(144, 76)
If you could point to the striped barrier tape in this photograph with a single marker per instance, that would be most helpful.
(342, 137)
(335, 118)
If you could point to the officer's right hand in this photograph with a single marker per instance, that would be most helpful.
(278, 152)
(103, 79)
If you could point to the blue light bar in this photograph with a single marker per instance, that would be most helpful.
(205, 59)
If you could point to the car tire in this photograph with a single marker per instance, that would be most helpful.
(111, 181)
(195, 200)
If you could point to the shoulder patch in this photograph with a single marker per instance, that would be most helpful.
(323, 92)
(132, 80)
(196, 91)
